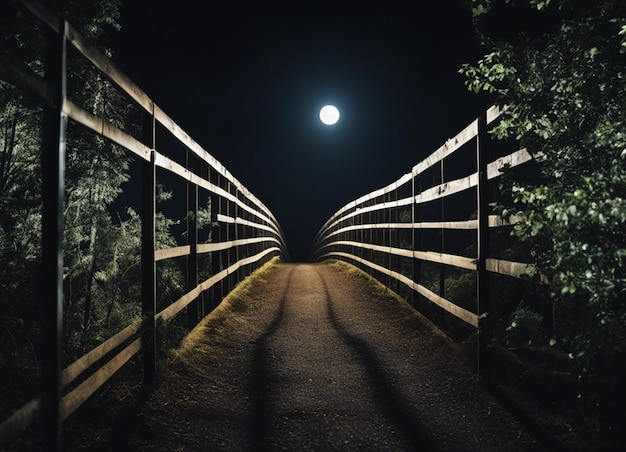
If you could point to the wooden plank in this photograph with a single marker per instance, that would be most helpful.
(181, 171)
(238, 220)
(359, 227)
(184, 250)
(187, 298)
(496, 221)
(439, 191)
(373, 208)
(75, 398)
(493, 113)
(379, 192)
(514, 269)
(15, 425)
(87, 360)
(465, 225)
(246, 261)
(102, 127)
(192, 145)
(219, 246)
(177, 132)
(509, 268)
(453, 260)
(109, 69)
(451, 145)
(447, 188)
(512, 160)
(170, 253)
(457, 311)
(367, 246)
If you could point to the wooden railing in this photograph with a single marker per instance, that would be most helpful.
(245, 234)
(393, 232)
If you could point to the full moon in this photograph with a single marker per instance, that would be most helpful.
(329, 115)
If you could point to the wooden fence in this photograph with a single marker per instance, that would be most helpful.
(393, 232)
(245, 234)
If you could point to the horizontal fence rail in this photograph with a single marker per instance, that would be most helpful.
(393, 231)
(244, 232)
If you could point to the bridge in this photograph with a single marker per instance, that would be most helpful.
(334, 360)
(320, 357)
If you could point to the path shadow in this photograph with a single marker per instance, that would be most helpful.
(395, 405)
(259, 427)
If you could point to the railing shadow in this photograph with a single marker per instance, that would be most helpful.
(259, 426)
(395, 405)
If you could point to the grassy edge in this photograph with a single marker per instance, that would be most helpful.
(235, 301)
(382, 291)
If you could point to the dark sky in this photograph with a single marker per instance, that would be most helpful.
(248, 85)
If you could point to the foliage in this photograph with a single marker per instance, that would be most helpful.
(559, 69)
(524, 328)
(102, 246)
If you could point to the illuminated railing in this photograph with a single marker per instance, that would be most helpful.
(245, 234)
(392, 232)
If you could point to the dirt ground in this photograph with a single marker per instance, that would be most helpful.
(311, 357)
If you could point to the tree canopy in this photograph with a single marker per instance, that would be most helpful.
(102, 245)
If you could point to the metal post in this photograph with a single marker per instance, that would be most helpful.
(204, 173)
(192, 240)
(239, 271)
(361, 231)
(216, 267)
(387, 238)
(225, 237)
(148, 246)
(483, 300)
(53, 193)
(442, 267)
(416, 238)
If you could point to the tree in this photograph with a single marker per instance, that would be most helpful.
(101, 249)
(559, 70)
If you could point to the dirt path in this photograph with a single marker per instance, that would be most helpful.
(317, 359)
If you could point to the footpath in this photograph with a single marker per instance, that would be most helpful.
(313, 357)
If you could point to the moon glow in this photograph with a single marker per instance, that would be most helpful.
(329, 115)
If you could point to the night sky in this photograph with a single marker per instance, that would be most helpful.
(248, 86)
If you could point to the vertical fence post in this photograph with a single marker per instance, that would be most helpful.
(416, 217)
(202, 270)
(442, 267)
(53, 193)
(415, 271)
(373, 236)
(237, 276)
(225, 237)
(216, 256)
(483, 294)
(387, 238)
(148, 246)
(192, 240)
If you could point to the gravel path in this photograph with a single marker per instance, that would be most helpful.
(314, 358)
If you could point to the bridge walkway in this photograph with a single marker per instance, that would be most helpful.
(311, 357)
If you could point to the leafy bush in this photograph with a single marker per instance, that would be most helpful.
(524, 328)
(559, 70)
